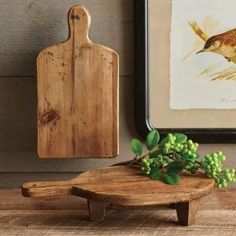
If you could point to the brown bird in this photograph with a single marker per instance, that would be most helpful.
(223, 44)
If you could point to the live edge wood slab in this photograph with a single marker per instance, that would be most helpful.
(125, 186)
(77, 83)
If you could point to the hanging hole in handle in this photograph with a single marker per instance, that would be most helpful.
(75, 17)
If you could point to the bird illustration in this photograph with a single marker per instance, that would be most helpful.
(223, 44)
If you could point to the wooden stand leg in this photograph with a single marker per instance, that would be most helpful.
(96, 210)
(172, 206)
(186, 212)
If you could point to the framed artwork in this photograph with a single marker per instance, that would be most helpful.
(185, 68)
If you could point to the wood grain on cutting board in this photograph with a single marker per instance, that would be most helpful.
(77, 95)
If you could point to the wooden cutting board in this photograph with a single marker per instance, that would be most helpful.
(77, 95)
(126, 186)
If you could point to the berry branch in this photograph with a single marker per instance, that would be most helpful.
(168, 157)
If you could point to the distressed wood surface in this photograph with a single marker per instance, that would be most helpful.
(12, 199)
(78, 95)
(18, 136)
(25, 151)
(70, 215)
(123, 185)
(126, 222)
(126, 186)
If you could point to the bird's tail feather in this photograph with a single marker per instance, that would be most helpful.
(198, 31)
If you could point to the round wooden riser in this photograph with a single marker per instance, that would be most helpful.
(125, 186)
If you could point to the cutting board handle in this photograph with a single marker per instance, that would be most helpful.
(79, 21)
(50, 189)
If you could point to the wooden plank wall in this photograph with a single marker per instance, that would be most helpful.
(26, 27)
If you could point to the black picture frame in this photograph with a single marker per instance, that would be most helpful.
(143, 124)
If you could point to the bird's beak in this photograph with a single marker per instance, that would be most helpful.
(200, 51)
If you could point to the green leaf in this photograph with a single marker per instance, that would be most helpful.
(174, 167)
(171, 178)
(152, 139)
(155, 174)
(180, 138)
(137, 147)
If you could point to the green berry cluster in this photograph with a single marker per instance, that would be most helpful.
(225, 178)
(189, 155)
(169, 143)
(212, 164)
(190, 150)
(168, 156)
(148, 163)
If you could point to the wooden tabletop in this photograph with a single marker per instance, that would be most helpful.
(68, 215)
